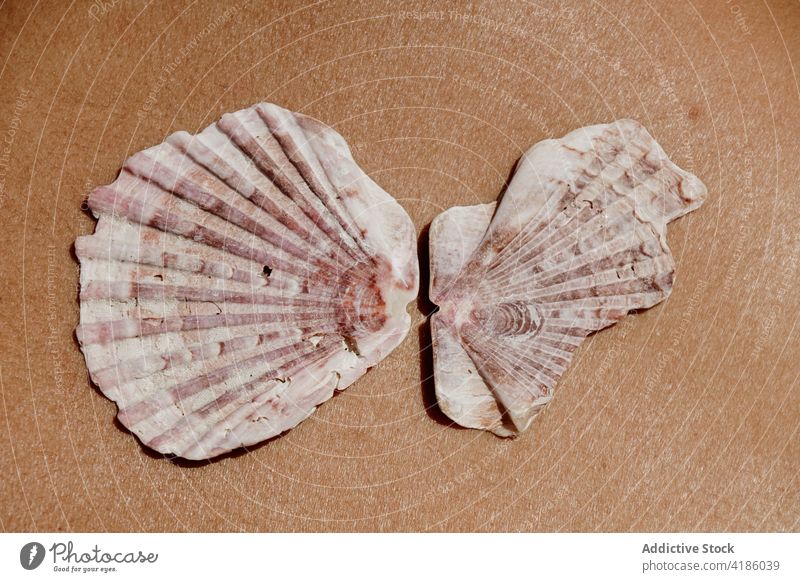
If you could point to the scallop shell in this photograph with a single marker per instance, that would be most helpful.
(577, 241)
(237, 278)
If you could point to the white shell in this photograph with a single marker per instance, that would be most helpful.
(577, 241)
(237, 277)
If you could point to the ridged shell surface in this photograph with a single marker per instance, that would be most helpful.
(236, 278)
(577, 241)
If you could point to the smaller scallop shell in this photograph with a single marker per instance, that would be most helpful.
(237, 278)
(577, 241)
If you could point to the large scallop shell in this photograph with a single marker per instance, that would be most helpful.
(577, 241)
(237, 278)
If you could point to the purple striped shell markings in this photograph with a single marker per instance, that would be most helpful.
(238, 277)
(577, 241)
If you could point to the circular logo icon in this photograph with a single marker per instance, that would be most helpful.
(31, 555)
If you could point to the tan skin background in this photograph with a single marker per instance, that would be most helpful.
(684, 417)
